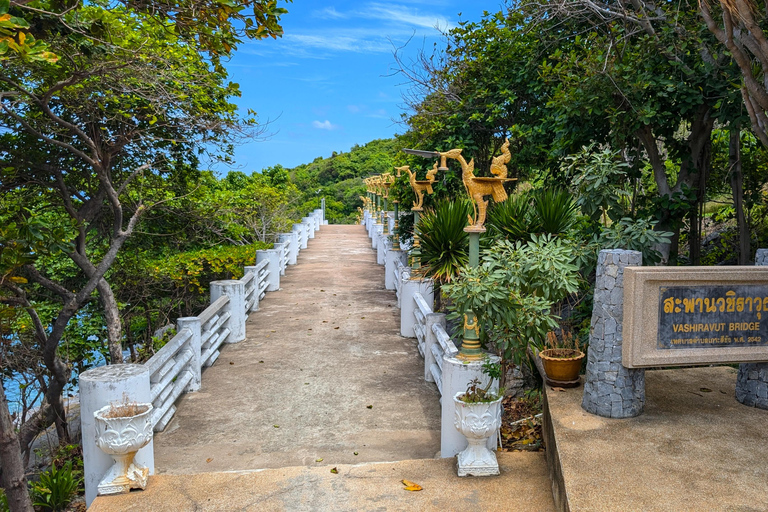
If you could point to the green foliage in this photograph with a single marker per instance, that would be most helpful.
(635, 235)
(599, 178)
(444, 243)
(513, 289)
(3, 501)
(56, 487)
(511, 219)
(554, 211)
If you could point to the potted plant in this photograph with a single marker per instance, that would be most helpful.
(562, 358)
(478, 417)
(122, 429)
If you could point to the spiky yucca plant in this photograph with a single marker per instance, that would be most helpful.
(510, 220)
(444, 243)
(554, 211)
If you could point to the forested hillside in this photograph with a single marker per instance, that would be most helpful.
(339, 178)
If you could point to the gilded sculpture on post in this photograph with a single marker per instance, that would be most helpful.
(478, 187)
(419, 186)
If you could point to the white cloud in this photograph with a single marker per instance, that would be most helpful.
(401, 14)
(325, 125)
(330, 13)
(338, 42)
(353, 108)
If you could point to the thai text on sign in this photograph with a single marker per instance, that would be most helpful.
(713, 316)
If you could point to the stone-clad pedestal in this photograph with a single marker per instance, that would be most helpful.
(610, 389)
(752, 381)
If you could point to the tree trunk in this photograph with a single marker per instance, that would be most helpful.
(12, 477)
(112, 319)
(737, 185)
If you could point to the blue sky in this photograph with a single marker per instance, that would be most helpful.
(324, 84)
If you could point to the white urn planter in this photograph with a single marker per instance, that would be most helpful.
(477, 421)
(121, 437)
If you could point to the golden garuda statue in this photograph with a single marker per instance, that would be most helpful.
(419, 186)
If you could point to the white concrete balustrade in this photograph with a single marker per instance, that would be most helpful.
(177, 367)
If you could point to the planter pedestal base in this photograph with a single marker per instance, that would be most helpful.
(477, 460)
(563, 383)
(119, 480)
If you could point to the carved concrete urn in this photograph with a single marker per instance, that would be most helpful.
(477, 421)
(121, 431)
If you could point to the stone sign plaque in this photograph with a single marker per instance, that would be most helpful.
(712, 316)
(686, 316)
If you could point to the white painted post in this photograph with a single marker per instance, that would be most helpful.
(301, 229)
(376, 234)
(319, 218)
(235, 290)
(280, 248)
(369, 225)
(429, 340)
(273, 279)
(99, 387)
(322, 206)
(392, 258)
(391, 221)
(252, 270)
(408, 289)
(310, 221)
(194, 366)
(292, 239)
(456, 375)
(382, 247)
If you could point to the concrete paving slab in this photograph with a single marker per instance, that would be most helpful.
(694, 448)
(522, 486)
(323, 373)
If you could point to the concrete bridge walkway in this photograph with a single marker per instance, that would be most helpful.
(322, 407)
(323, 374)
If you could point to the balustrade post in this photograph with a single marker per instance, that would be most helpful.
(391, 261)
(100, 387)
(194, 366)
(280, 247)
(235, 290)
(409, 288)
(273, 266)
(252, 270)
(429, 340)
(310, 221)
(301, 230)
(292, 239)
(382, 246)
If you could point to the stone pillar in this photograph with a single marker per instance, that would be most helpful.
(252, 270)
(194, 366)
(409, 288)
(235, 290)
(429, 340)
(752, 381)
(280, 248)
(273, 266)
(292, 239)
(382, 246)
(301, 230)
(457, 374)
(391, 261)
(100, 387)
(610, 389)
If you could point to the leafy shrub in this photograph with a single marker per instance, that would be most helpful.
(3, 502)
(635, 235)
(56, 487)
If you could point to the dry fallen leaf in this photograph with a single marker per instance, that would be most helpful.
(411, 486)
(335, 327)
(231, 362)
(209, 459)
(334, 471)
(562, 390)
(369, 407)
(276, 426)
(318, 460)
(355, 453)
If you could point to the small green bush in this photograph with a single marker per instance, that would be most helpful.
(56, 487)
